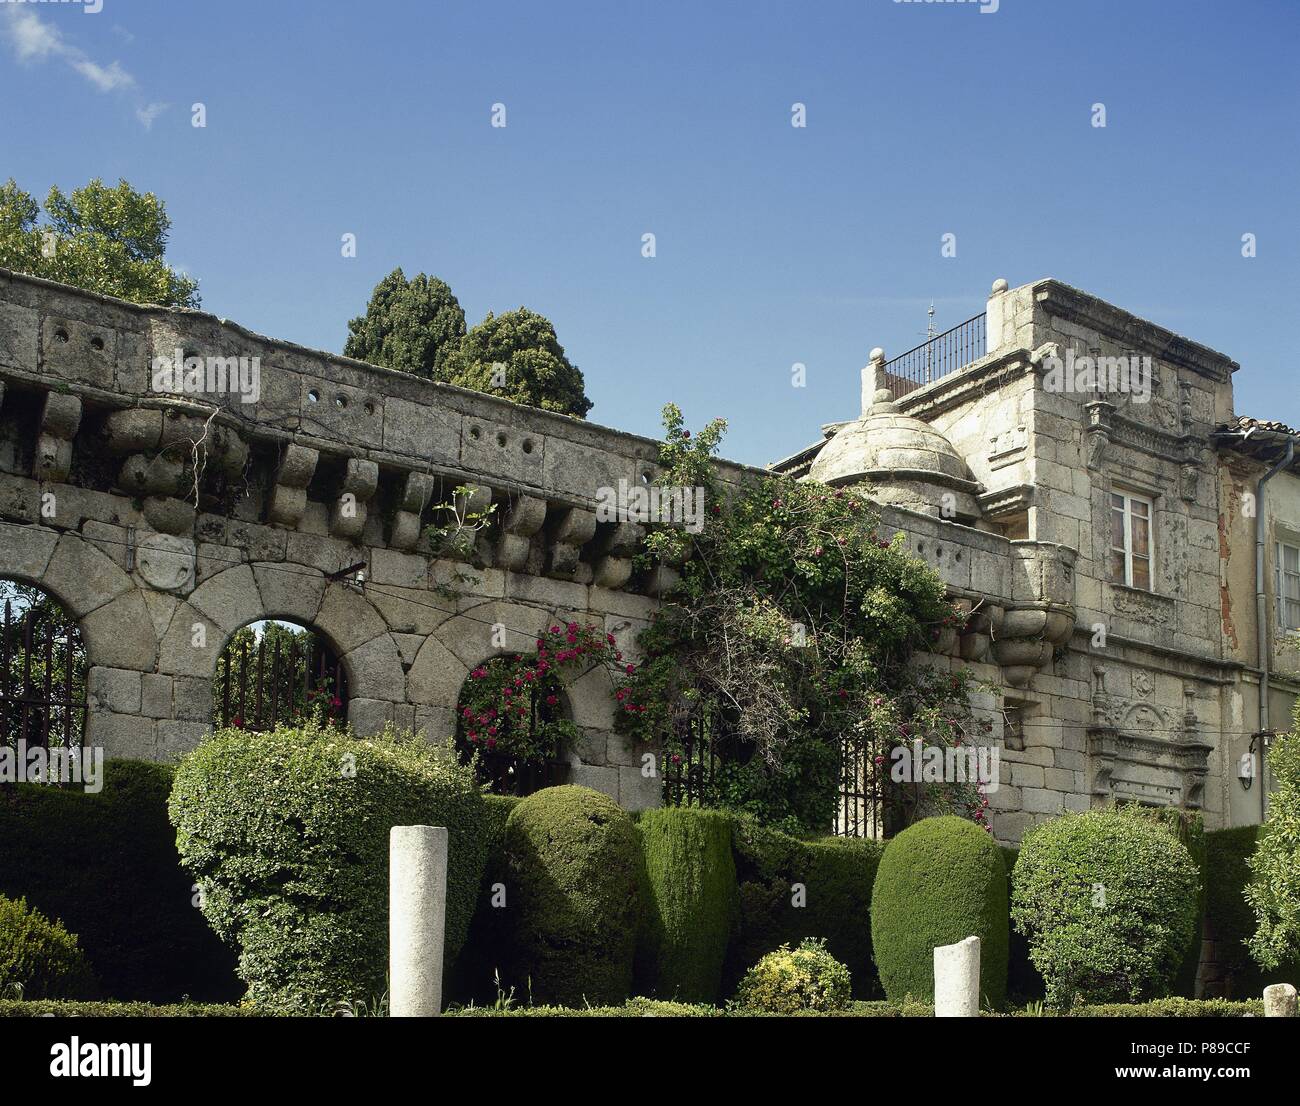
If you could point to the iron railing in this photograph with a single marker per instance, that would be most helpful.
(259, 688)
(860, 799)
(943, 354)
(42, 678)
(692, 763)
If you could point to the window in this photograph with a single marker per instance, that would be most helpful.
(1130, 540)
(1286, 567)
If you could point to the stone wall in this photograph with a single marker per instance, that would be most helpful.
(164, 522)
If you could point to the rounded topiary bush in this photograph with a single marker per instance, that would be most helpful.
(940, 881)
(573, 881)
(1108, 903)
(690, 902)
(39, 958)
(286, 834)
(790, 980)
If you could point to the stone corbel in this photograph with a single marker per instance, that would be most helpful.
(575, 528)
(348, 512)
(1101, 753)
(410, 507)
(1097, 433)
(614, 554)
(289, 495)
(60, 420)
(521, 522)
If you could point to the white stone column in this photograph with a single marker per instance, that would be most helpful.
(873, 379)
(957, 979)
(1280, 1001)
(417, 914)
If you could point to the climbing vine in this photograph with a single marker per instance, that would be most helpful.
(797, 623)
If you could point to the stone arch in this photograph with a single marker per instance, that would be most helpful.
(92, 588)
(34, 627)
(297, 593)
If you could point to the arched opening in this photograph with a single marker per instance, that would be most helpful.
(515, 723)
(274, 672)
(42, 670)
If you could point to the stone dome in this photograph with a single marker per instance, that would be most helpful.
(908, 462)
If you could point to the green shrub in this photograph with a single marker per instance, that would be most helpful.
(792, 889)
(1108, 901)
(287, 834)
(574, 875)
(1230, 921)
(789, 980)
(106, 865)
(690, 902)
(940, 881)
(1274, 889)
(1024, 984)
(38, 957)
(482, 961)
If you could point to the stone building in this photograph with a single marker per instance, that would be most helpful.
(1079, 478)
(1097, 531)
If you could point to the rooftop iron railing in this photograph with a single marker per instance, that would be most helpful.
(943, 354)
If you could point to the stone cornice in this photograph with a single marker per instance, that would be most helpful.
(1064, 302)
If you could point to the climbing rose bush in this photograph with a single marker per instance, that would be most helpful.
(512, 706)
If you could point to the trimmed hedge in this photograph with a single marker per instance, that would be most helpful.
(940, 881)
(691, 902)
(287, 833)
(1024, 983)
(1108, 901)
(1229, 917)
(106, 866)
(836, 875)
(39, 958)
(644, 1008)
(574, 879)
(69, 1009)
(482, 961)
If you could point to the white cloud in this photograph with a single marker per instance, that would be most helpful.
(104, 78)
(34, 40)
(147, 113)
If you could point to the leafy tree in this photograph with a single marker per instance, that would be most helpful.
(411, 325)
(517, 356)
(107, 240)
(1274, 893)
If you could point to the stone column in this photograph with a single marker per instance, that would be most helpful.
(1280, 1001)
(417, 909)
(957, 979)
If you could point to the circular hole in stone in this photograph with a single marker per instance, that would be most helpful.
(313, 396)
(645, 478)
(528, 445)
(97, 342)
(340, 401)
(474, 433)
(60, 335)
(501, 439)
(369, 407)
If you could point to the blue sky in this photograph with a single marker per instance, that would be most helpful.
(774, 244)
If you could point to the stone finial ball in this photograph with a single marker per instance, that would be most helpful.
(877, 354)
(1000, 285)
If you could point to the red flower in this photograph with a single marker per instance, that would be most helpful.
(551, 700)
(630, 669)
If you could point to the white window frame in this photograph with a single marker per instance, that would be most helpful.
(1286, 600)
(1129, 499)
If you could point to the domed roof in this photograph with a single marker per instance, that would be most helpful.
(896, 451)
